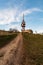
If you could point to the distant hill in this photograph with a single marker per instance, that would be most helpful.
(3, 32)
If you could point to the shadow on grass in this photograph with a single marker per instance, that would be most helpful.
(5, 39)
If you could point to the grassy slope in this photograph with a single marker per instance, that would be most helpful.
(33, 45)
(5, 39)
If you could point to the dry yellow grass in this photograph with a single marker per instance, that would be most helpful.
(33, 45)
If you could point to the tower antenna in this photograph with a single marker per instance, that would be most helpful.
(23, 16)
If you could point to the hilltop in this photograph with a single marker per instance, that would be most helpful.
(24, 49)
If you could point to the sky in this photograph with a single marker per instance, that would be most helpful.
(11, 14)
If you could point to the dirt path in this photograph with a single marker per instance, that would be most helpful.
(12, 54)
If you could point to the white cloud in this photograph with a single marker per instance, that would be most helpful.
(29, 11)
(36, 9)
(8, 16)
(16, 26)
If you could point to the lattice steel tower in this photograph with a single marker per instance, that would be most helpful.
(23, 24)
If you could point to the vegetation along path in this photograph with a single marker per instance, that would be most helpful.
(12, 54)
(25, 49)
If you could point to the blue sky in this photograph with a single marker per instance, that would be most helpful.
(11, 14)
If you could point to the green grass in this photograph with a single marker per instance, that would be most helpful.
(5, 39)
(33, 45)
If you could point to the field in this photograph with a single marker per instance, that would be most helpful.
(33, 46)
(5, 39)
